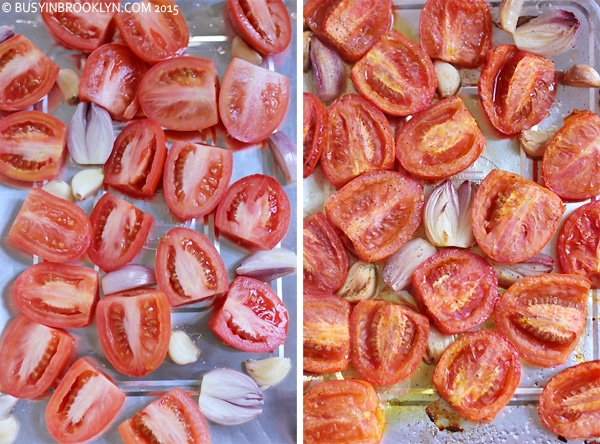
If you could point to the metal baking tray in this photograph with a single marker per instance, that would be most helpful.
(407, 403)
(210, 37)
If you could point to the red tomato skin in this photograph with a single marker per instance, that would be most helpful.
(250, 301)
(406, 86)
(69, 283)
(118, 314)
(509, 107)
(52, 228)
(120, 248)
(263, 24)
(210, 168)
(314, 124)
(467, 41)
(559, 408)
(24, 65)
(352, 28)
(253, 101)
(210, 276)
(175, 411)
(136, 162)
(18, 343)
(254, 212)
(99, 415)
(24, 133)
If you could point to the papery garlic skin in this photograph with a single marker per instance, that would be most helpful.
(549, 34)
(268, 372)
(448, 78)
(510, 10)
(87, 183)
(361, 282)
(182, 349)
(400, 266)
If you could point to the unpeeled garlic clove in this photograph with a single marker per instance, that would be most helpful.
(448, 78)
(59, 188)
(549, 34)
(87, 183)
(328, 69)
(182, 349)
(9, 429)
(534, 141)
(241, 49)
(268, 372)
(400, 266)
(510, 10)
(90, 135)
(582, 76)
(361, 282)
(68, 83)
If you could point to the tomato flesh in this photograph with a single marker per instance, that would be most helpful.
(314, 120)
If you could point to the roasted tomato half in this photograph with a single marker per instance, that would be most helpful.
(368, 208)
(358, 139)
(326, 332)
(314, 124)
(352, 28)
(513, 218)
(567, 403)
(516, 88)
(440, 141)
(478, 374)
(543, 316)
(52, 228)
(33, 357)
(570, 164)
(343, 411)
(396, 75)
(33, 146)
(188, 267)
(251, 317)
(457, 289)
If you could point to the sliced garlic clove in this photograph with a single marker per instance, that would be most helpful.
(448, 78)
(68, 83)
(510, 10)
(9, 429)
(87, 183)
(361, 282)
(182, 349)
(549, 34)
(582, 76)
(59, 188)
(269, 371)
(534, 141)
(241, 50)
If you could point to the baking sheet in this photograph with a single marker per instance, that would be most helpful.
(211, 36)
(407, 402)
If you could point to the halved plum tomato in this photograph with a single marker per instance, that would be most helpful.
(324, 258)
(516, 88)
(396, 75)
(567, 403)
(196, 176)
(250, 317)
(134, 328)
(352, 28)
(252, 101)
(543, 316)
(175, 415)
(387, 341)
(181, 93)
(440, 141)
(33, 146)
(254, 212)
(155, 30)
(455, 31)
(52, 228)
(513, 218)
(137, 159)
(314, 122)
(478, 374)
(263, 24)
(119, 231)
(33, 357)
(325, 332)
(83, 27)
(341, 411)
(358, 139)
(188, 267)
(57, 295)
(84, 404)
(368, 208)
(457, 289)
(110, 78)
(26, 73)
(569, 165)
(578, 243)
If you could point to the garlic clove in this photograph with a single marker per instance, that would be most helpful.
(582, 76)
(448, 78)
(68, 83)
(7, 403)
(182, 349)
(9, 429)
(361, 282)
(87, 183)
(328, 69)
(59, 188)
(510, 10)
(534, 141)
(269, 371)
(437, 343)
(241, 49)
(549, 34)
(507, 274)
(399, 267)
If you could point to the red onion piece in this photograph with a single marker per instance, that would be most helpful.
(268, 265)
(399, 267)
(328, 69)
(284, 153)
(6, 32)
(509, 274)
(128, 277)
